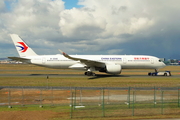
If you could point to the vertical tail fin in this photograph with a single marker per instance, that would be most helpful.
(23, 49)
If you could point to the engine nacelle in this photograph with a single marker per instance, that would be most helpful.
(113, 69)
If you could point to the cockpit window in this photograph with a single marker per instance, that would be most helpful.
(160, 61)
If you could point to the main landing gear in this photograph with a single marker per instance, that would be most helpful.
(88, 73)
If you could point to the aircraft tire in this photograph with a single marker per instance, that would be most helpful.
(89, 73)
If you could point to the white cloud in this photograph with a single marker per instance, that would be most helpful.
(99, 27)
(110, 23)
(32, 19)
(2, 6)
(82, 22)
(103, 19)
(33, 16)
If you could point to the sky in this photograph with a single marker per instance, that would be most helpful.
(92, 27)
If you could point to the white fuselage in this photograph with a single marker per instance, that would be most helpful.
(126, 61)
(112, 64)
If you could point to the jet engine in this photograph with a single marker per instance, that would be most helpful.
(112, 69)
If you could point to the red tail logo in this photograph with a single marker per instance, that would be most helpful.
(23, 47)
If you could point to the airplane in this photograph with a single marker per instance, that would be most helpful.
(112, 64)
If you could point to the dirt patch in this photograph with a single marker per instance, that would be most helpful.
(27, 115)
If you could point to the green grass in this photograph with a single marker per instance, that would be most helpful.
(36, 76)
(120, 112)
(36, 108)
(86, 82)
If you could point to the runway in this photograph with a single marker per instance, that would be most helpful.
(34, 71)
(82, 75)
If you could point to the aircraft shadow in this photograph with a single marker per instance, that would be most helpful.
(97, 76)
(44, 74)
(106, 76)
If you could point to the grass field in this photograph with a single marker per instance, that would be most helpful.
(30, 75)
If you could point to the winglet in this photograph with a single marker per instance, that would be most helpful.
(67, 56)
(63, 53)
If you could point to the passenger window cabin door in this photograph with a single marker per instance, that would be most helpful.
(152, 61)
(124, 60)
(44, 60)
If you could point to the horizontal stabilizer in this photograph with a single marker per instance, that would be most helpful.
(20, 59)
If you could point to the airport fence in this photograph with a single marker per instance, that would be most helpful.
(95, 101)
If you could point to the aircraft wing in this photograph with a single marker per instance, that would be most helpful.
(87, 62)
(20, 59)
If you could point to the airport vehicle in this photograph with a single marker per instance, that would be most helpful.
(165, 73)
(112, 64)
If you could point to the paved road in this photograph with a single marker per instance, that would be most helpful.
(82, 75)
